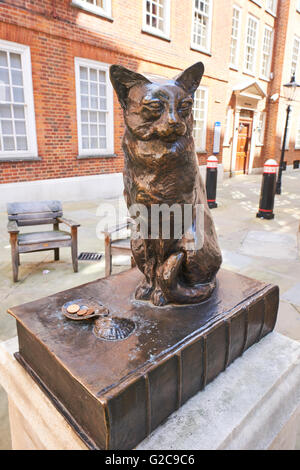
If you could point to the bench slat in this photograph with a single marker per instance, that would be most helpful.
(35, 215)
(15, 208)
(27, 223)
(42, 237)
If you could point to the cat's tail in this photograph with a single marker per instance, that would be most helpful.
(175, 290)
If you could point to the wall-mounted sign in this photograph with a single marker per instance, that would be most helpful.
(217, 137)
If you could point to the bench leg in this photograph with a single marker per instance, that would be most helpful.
(108, 257)
(14, 255)
(56, 254)
(74, 249)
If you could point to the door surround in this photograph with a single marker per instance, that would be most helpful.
(246, 99)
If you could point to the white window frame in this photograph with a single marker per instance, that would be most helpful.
(297, 138)
(260, 138)
(298, 6)
(238, 38)
(271, 10)
(84, 5)
(251, 72)
(30, 124)
(202, 147)
(110, 109)
(267, 77)
(165, 34)
(209, 31)
(296, 39)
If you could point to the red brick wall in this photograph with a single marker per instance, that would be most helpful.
(57, 32)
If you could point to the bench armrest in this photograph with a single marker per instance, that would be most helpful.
(12, 227)
(68, 222)
(116, 228)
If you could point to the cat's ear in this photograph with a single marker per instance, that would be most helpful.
(190, 79)
(122, 80)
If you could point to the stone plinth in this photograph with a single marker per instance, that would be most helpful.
(254, 404)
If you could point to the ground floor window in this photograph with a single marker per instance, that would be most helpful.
(200, 118)
(17, 130)
(94, 108)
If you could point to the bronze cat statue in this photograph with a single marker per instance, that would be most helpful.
(161, 168)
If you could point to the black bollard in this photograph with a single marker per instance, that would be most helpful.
(211, 181)
(268, 189)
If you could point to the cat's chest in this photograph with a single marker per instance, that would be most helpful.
(156, 172)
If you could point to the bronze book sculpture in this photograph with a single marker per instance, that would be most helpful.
(161, 168)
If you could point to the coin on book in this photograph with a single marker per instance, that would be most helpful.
(90, 311)
(83, 310)
(74, 308)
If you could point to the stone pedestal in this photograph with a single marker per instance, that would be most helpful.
(254, 404)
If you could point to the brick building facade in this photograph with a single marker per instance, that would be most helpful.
(61, 123)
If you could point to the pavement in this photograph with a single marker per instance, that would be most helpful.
(267, 250)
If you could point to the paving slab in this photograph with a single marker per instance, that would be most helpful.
(234, 261)
(270, 245)
(288, 321)
(293, 295)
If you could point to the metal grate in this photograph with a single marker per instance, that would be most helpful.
(89, 256)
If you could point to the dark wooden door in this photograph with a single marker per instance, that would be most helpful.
(243, 146)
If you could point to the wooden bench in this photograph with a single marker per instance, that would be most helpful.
(39, 213)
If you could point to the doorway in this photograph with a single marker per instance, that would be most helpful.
(243, 146)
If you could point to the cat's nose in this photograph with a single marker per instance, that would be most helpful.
(173, 119)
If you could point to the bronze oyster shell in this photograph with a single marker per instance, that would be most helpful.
(113, 328)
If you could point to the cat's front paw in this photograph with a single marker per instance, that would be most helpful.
(158, 298)
(143, 292)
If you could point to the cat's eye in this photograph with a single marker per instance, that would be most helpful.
(185, 105)
(154, 105)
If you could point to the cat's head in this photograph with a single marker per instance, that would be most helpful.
(157, 110)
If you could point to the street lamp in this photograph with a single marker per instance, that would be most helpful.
(289, 93)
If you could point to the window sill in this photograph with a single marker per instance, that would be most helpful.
(250, 74)
(271, 13)
(201, 151)
(203, 51)
(257, 2)
(156, 34)
(265, 79)
(232, 67)
(226, 145)
(20, 159)
(259, 145)
(105, 155)
(90, 9)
